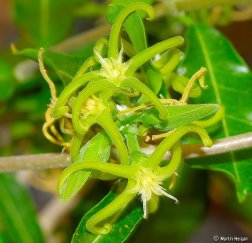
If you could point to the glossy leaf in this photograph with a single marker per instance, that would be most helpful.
(121, 229)
(65, 65)
(44, 22)
(96, 149)
(178, 115)
(230, 85)
(18, 223)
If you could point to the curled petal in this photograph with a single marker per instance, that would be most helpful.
(171, 168)
(119, 203)
(60, 107)
(115, 32)
(106, 122)
(144, 56)
(124, 171)
(91, 89)
(172, 138)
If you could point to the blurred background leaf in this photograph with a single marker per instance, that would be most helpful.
(44, 22)
(65, 65)
(18, 222)
(7, 81)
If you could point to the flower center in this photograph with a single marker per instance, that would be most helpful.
(114, 70)
(92, 106)
(148, 182)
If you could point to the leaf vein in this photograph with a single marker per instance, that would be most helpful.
(217, 93)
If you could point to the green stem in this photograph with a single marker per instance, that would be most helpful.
(172, 138)
(116, 205)
(136, 84)
(169, 169)
(113, 49)
(142, 57)
(106, 122)
(60, 109)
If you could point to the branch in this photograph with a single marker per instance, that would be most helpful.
(34, 162)
(61, 160)
(221, 146)
(81, 39)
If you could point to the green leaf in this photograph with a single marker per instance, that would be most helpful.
(230, 85)
(65, 65)
(18, 223)
(44, 22)
(7, 81)
(96, 149)
(178, 115)
(121, 229)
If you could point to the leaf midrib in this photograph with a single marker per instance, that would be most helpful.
(213, 81)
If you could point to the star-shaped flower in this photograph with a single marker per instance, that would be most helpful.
(144, 176)
(89, 98)
(114, 75)
(148, 182)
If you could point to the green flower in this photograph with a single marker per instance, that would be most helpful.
(144, 177)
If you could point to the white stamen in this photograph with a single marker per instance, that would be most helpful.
(101, 59)
(147, 183)
(120, 56)
(113, 69)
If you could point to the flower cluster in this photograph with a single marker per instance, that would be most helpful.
(93, 97)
